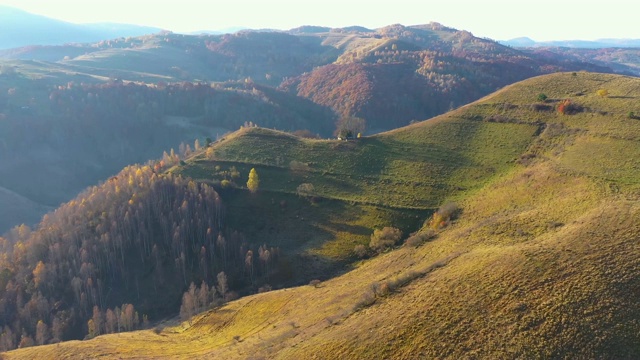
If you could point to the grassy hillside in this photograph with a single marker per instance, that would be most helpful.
(58, 139)
(543, 261)
(60, 101)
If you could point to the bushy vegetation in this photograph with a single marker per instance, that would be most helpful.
(384, 238)
(443, 216)
(418, 238)
(568, 107)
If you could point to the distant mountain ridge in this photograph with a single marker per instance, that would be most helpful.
(582, 44)
(20, 28)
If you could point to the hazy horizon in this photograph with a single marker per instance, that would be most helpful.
(544, 21)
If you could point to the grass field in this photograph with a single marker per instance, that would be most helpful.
(543, 262)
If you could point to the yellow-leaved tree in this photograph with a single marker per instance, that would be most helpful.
(254, 182)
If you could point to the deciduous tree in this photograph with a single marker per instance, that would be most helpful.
(254, 182)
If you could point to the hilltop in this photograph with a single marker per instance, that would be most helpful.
(542, 260)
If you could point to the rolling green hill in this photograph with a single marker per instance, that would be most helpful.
(542, 262)
(58, 139)
(60, 101)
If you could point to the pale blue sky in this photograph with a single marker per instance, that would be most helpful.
(496, 19)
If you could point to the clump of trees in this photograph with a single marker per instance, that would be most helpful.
(119, 319)
(349, 127)
(197, 299)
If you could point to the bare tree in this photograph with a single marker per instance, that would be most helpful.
(42, 333)
(223, 286)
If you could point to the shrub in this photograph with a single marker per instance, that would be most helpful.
(305, 190)
(296, 165)
(360, 251)
(367, 299)
(602, 92)
(542, 97)
(381, 289)
(443, 216)
(385, 238)
(567, 107)
(416, 239)
(403, 279)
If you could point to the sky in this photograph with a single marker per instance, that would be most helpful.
(541, 20)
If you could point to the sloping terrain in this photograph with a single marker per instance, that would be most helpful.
(543, 261)
(57, 140)
(390, 77)
(401, 73)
